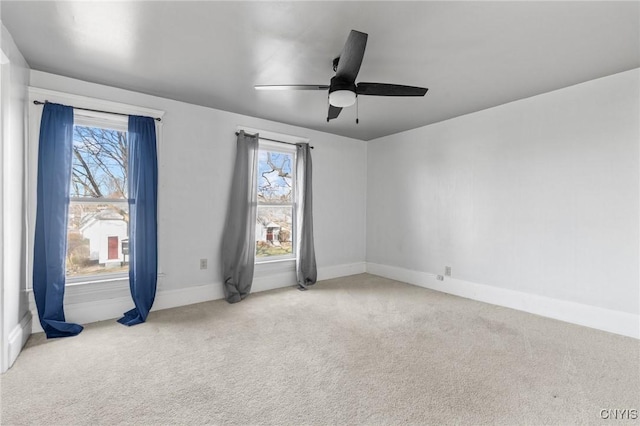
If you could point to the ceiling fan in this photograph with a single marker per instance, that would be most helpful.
(343, 89)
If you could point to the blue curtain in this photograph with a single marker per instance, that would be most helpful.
(50, 245)
(143, 206)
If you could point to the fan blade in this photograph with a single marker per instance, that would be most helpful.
(334, 112)
(351, 56)
(381, 89)
(292, 87)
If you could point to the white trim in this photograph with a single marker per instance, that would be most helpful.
(270, 282)
(274, 259)
(92, 279)
(4, 132)
(277, 260)
(88, 312)
(336, 271)
(617, 322)
(96, 290)
(273, 135)
(293, 205)
(114, 299)
(92, 103)
(102, 200)
(91, 302)
(115, 122)
(18, 337)
(279, 147)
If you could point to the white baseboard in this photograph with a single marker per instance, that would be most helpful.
(609, 320)
(330, 272)
(90, 311)
(185, 296)
(85, 312)
(273, 281)
(18, 337)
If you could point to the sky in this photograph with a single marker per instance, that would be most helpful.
(275, 185)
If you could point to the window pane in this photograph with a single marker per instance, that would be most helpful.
(99, 167)
(274, 231)
(97, 239)
(275, 177)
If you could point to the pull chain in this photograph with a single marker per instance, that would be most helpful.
(357, 111)
(328, 106)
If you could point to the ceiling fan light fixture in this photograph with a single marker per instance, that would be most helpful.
(343, 91)
(342, 98)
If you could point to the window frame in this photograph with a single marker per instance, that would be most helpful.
(109, 122)
(105, 282)
(284, 148)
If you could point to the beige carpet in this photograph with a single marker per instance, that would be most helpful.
(356, 350)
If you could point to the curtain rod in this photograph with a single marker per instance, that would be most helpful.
(95, 110)
(272, 140)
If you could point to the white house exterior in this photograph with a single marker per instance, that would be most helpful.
(268, 232)
(105, 231)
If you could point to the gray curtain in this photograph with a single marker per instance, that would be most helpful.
(306, 269)
(238, 241)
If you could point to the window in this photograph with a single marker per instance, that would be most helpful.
(276, 202)
(98, 227)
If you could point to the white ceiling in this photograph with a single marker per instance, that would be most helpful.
(471, 55)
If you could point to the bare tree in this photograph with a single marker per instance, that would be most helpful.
(280, 188)
(100, 164)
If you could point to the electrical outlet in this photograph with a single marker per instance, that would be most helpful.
(203, 263)
(440, 278)
(447, 271)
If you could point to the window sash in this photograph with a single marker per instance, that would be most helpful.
(102, 276)
(101, 120)
(264, 259)
(281, 148)
(292, 205)
(108, 122)
(99, 200)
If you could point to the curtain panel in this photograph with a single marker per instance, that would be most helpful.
(143, 217)
(238, 241)
(306, 268)
(55, 149)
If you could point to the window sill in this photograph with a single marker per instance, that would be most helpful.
(265, 262)
(274, 267)
(90, 291)
(96, 280)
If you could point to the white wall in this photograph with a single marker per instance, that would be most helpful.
(537, 197)
(15, 316)
(196, 156)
